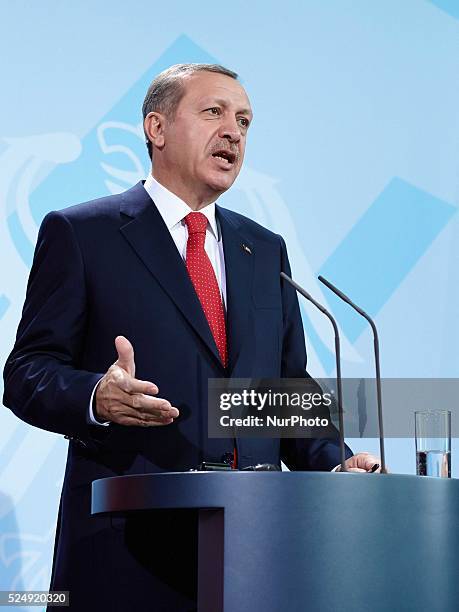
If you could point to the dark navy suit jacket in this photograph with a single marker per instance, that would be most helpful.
(110, 267)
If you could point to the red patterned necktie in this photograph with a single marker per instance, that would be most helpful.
(204, 280)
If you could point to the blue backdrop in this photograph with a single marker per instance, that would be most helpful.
(352, 156)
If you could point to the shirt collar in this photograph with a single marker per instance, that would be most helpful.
(172, 209)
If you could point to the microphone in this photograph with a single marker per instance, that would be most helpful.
(305, 294)
(361, 312)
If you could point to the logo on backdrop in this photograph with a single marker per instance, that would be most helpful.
(112, 157)
(54, 171)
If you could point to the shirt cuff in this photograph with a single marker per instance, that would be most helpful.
(91, 418)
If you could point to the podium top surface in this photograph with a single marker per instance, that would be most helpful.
(225, 489)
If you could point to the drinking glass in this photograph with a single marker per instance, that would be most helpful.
(433, 443)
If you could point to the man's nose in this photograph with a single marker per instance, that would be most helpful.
(230, 130)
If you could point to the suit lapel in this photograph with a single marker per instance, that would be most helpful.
(148, 235)
(239, 256)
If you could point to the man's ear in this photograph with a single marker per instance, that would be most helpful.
(154, 129)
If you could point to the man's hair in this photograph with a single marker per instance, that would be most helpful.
(168, 88)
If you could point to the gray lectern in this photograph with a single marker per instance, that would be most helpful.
(310, 541)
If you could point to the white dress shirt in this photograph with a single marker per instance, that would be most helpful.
(173, 211)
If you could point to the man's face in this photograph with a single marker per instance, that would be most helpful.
(205, 142)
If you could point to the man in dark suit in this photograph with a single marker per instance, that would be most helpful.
(134, 301)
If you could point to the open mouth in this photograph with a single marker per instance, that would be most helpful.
(227, 157)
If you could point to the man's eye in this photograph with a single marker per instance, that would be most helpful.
(244, 122)
(213, 111)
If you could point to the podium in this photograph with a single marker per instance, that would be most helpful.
(309, 541)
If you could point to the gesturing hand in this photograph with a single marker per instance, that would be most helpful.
(123, 399)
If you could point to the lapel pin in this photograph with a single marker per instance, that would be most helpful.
(247, 249)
